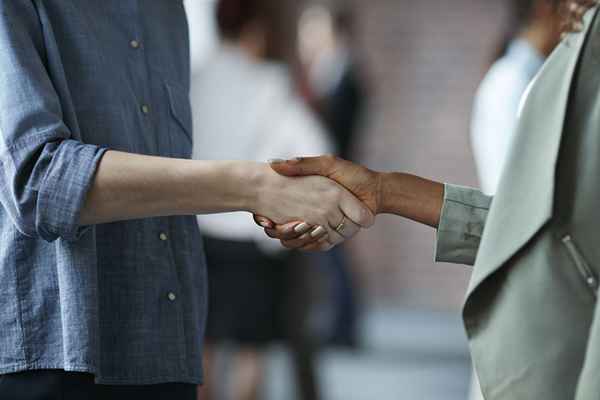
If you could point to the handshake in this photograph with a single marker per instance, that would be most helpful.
(334, 200)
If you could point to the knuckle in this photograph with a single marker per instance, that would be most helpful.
(335, 194)
(323, 216)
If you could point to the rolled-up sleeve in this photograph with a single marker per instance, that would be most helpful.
(45, 170)
(463, 218)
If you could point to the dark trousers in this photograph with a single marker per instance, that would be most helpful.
(61, 385)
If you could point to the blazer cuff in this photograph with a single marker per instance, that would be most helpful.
(461, 226)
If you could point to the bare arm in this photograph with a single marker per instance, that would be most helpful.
(129, 186)
(411, 197)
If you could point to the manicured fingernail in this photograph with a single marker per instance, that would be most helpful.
(302, 228)
(318, 232)
(277, 161)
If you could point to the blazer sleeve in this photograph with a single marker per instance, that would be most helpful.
(45, 172)
(461, 226)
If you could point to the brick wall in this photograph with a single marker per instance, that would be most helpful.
(424, 60)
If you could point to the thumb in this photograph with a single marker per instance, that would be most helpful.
(304, 166)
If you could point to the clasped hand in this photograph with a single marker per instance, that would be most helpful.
(354, 212)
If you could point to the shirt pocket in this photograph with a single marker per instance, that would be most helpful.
(180, 122)
(585, 270)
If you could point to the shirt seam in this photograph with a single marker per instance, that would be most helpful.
(155, 379)
(464, 233)
(468, 205)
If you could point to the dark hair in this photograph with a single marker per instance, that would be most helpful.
(521, 13)
(344, 20)
(234, 16)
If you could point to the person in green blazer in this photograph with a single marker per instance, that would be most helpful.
(530, 312)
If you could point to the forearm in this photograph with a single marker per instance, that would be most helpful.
(130, 186)
(411, 197)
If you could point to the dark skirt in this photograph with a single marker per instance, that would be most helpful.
(247, 293)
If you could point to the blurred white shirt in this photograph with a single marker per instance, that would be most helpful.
(496, 108)
(248, 110)
(203, 30)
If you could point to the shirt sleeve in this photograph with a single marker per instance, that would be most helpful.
(463, 218)
(45, 172)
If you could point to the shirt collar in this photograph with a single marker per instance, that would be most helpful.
(521, 50)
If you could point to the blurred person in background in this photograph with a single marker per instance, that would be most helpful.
(327, 48)
(203, 31)
(534, 31)
(531, 311)
(336, 88)
(535, 28)
(245, 107)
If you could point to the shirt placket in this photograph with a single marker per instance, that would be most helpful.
(165, 232)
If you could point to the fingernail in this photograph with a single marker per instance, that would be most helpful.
(277, 161)
(318, 232)
(302, 228)
(264, 223)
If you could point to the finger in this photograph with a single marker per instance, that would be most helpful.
(334, 237)
(280, 230)
(304, 166)
(356, 211)
(263, 221)
(308, 238)
(319, 246)
(348, 229)
(289, 231)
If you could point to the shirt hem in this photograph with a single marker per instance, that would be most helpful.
(101, 380)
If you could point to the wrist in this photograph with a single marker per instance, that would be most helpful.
(220, 186)
(384, 183)
(253, 181)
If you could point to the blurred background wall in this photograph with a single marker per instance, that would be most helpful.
(424, 60)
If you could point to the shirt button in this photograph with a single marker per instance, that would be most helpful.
(171, 296)
(134, 44)
(145, 109)
(163, 236)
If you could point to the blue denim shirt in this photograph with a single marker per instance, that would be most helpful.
(124, 301)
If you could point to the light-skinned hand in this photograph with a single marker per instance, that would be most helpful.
(362, 182)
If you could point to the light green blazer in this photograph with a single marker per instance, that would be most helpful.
(530, 312)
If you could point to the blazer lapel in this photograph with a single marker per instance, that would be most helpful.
(524, 201)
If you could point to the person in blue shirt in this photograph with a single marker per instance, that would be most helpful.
(102, 275)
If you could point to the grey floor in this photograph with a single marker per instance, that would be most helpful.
(412, 355)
